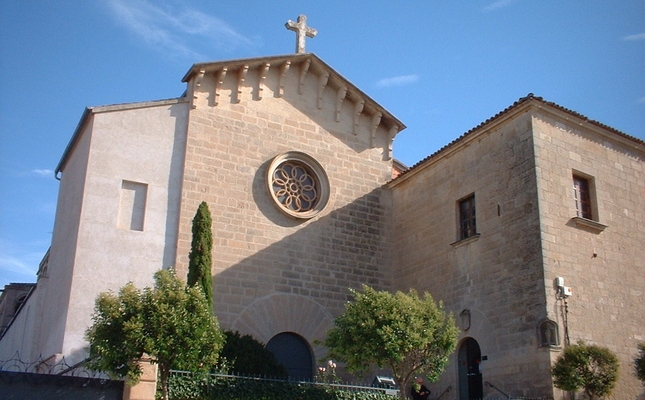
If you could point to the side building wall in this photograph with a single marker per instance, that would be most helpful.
(116, 220)
(39, 330)
(128, 225)
(493, 281)
(12, 301)
(603, 264)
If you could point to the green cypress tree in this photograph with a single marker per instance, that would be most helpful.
(200, 259)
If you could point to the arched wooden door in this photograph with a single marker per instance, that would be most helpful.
(471, 385)
(294, 353)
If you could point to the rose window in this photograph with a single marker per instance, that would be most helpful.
(298, 184)
(295, 187)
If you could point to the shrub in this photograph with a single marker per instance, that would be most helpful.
(639, 363)
(187, 386)
(408, 334)
(247, 356)
(589, 367)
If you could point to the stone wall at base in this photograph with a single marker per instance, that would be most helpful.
(146, 388)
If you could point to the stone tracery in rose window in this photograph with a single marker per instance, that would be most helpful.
(295, 186)
(298, 184)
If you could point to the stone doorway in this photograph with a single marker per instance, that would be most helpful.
(294, 353)
(471, 385)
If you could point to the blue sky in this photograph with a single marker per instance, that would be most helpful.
(442, 67)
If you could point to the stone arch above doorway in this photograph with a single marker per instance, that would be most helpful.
(276, 313)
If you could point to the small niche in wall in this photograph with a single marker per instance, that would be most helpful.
(548, 334)
(132, 205)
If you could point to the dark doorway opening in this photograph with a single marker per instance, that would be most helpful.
(293, 352)
(471, 385)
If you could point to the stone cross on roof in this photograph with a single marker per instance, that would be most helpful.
(301, 30)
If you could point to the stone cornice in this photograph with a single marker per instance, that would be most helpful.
(302, 66)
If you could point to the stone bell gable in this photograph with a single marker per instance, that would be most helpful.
(303, 80)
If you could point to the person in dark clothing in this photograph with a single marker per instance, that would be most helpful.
(419, 391)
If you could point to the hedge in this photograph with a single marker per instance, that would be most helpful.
(188, 386)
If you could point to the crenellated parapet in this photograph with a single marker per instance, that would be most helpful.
(302, 78)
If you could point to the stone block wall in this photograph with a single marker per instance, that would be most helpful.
(146, 388)
(604, 268)
(497, 275)
(259, 252)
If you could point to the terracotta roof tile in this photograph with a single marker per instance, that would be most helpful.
(522, 100)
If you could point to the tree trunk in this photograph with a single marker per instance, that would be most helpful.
(165, 373)
(403, 387)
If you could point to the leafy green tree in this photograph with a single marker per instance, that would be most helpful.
(589, 367)
(408, 334)
(247, 356)
(171, 323)
(639, 363)
(200, 259)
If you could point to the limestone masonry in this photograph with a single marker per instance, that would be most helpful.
(529, 228)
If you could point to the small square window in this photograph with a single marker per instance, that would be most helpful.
(582, 197)
(467, 218)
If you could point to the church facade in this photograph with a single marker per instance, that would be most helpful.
(529, 228)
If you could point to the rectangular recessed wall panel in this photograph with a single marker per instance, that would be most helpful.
(132, 205)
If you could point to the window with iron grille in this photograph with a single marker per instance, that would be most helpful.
(582, 197)
(467, 218)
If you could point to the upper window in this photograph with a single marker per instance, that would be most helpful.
(467, 220)
(298, 184)
(585, 203)
(582, 197)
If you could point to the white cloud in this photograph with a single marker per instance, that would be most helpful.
(18, 264)
(641, 100)
(172, 30)
(633, 38)
(44, 172)
(498, 4)
(398, 80)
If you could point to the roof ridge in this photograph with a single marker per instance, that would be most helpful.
(508, 109)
